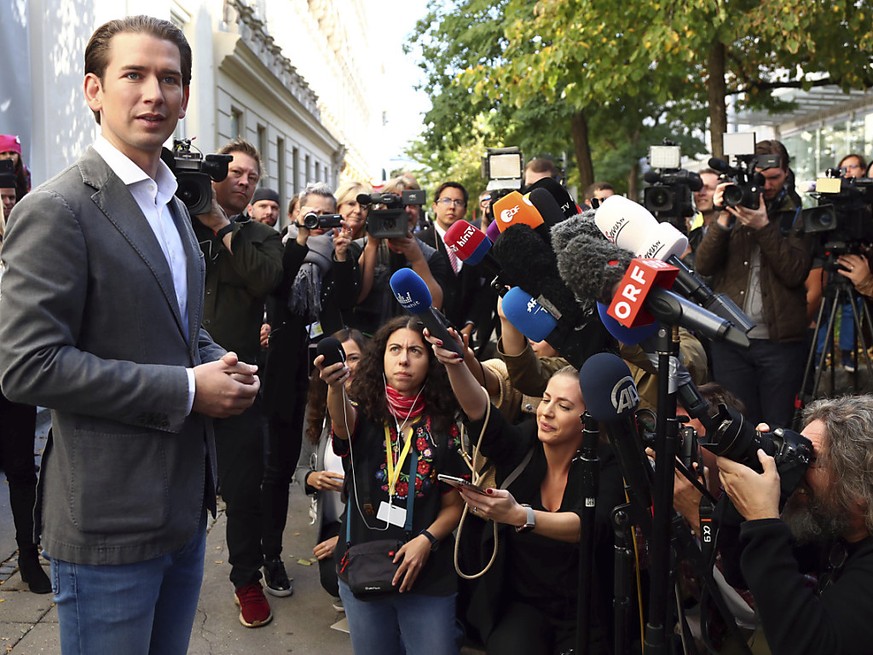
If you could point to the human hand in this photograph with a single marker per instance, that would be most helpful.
(326, 481)
(854, 267)
(408, 247)
(342, 237)
(445, 356)
(496, 504)
(751, 218)
(412, 557)
(335, 375)
(225, 387)
(216, 218)
(265, 335)
(755, 495)
(325, 549)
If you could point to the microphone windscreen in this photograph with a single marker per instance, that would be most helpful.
(566, 231)
(592, 267)
(410, 291)
(607, 387)
(719, 164)
(465, 239)
(332, 350)
(651, 177)
(514, 209)
(695, 182)
(630, 336)
(547, 206)
(492, 231)
(616, 213)
(527, 315)
(559, 193)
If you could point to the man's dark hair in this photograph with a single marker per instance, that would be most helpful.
(97, 50)
(542, 165)
(773, 147)
(591, 189)
(451, 185)
(710, 171)
(861, 161)
(246, 148)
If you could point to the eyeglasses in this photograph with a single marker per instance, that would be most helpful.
(445, 202)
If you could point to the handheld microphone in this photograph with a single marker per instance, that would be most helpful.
(565, 201)
(527, 315)
(471, 246)
(513, 209)
(547, 207)
(412, 293)
(611, 398)
(645, 237)
(492, 231)
(630, 336)
(564, 232)
(332, 350)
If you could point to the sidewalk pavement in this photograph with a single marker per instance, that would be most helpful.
(301, 623)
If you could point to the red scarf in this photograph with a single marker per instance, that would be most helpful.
(403, 408)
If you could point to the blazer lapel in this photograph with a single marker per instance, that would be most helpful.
(115, 201)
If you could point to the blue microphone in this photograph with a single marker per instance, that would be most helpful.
(527, 315)
(628, 336)
(414, 296)
(611, 398)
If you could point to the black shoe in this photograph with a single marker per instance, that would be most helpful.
(276, 578)
(31, 572)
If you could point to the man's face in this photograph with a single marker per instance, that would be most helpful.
(265, 211)
(853, 167)
(7, 196)
(810, 512)
(140, 98)
(774, 180)
(603, 194)
(703, 198)
(449, 207)
(235, 192)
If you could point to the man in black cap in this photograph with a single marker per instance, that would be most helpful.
(264, 207)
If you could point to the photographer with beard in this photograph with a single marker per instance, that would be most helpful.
(832, 508)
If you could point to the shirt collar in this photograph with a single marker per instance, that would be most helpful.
(131, 174)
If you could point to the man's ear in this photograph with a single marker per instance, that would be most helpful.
(186, 91)
(93, 88)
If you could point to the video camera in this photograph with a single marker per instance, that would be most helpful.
(669, 197)
(843, 217)
(313, 221)
(7, 174)
(391, 221)
(746, 185)
(195, 174)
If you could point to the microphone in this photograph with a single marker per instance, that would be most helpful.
(583, 223)
(513, 209)
(412, 293)
(640, 233)
(471, 246)
(492, 231)
(332, 350)
(611, 398)
(547, 207)
(630, 336)
(592, 267)
(562, 197)
(527, 315)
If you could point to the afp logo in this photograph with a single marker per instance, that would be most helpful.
(624, 395)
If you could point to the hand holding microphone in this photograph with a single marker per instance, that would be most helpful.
(412, 293)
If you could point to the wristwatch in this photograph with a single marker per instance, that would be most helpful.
(530, 522)
(434, 542)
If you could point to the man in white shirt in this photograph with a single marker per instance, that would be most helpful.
(100, 321)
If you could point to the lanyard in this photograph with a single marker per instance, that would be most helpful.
(394, 469)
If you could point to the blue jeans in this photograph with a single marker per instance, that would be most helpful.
(846, 326)
(136, 609)
(401, 624)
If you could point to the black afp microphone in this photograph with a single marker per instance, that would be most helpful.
(611, 398)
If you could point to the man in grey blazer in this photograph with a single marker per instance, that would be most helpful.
(100, 320)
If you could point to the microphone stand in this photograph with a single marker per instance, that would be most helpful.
(666, 436)
(590, 483)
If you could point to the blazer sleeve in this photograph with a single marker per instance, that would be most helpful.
(47, 309)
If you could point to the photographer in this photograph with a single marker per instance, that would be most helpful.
(832, 508)
(759, 259)
(857, 269)
(379, 259)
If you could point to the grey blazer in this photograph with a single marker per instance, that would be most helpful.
(90, 328)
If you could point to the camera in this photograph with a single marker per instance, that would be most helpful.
(7, 174)
(843, 218)
(313, 221)
(195, 174)
(746, 185)
(390, 221)
(669, 196)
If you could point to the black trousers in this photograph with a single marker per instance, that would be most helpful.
(17, 433)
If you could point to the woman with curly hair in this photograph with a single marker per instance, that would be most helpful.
(394, 442)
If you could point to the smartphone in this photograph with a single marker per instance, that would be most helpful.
(457, 483)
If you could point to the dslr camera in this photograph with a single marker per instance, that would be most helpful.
(387, 218)
(195, 174)
(669, 196)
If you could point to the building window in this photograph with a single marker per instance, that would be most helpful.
(280, 170)
(295, 170)
(236, 123)
(262, 150)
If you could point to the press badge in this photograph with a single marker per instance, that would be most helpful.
(392, 514)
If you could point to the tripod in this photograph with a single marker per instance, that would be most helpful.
(837, 291)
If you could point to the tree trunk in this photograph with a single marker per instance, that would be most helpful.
(582, 148)
(716, 90)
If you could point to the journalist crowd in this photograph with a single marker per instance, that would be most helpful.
(448, 375)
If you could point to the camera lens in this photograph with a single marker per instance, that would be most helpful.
(732, 195)
(310, 221)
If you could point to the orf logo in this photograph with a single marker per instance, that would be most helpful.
(624, 396)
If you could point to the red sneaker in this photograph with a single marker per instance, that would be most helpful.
(254, 610)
